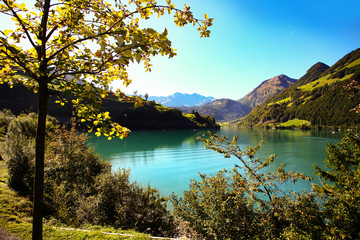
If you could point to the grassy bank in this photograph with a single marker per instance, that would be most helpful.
(15, 220)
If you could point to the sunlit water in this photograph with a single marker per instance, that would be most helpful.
(169, 159)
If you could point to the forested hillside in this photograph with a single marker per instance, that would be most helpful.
(148, 116)
(322, 97)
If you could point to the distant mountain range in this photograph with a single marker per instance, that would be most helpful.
(226, 110)
(322, 97)
(182, 99)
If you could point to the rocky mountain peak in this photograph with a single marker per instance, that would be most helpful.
(267, 89)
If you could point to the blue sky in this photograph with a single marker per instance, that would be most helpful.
(251, 41)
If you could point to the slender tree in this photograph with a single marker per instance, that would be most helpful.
(340, 188)
(81, 47)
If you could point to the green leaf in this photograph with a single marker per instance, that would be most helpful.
(138, 57)
(127, 53)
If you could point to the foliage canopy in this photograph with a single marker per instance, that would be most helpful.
(80, 47)
(83, 46)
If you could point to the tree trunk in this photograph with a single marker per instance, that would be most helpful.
(39, 163)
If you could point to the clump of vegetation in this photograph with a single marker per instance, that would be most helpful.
(340, 189)
(250, 203)
(5, 118)
(80, 188)
(19, 147)
(246, 201)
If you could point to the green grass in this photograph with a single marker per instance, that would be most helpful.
(327, 79)
(322, 82)
(354, 63)
(295, 122)
(189, 116)
(15, 211)
(160, 107)
(15, 219)
(280, 101)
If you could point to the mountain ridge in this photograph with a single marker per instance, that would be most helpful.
(227, 110)
(320, 98)
(182, 99)
(266, 89)
(223, 110)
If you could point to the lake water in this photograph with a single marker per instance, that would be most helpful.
(169, 159)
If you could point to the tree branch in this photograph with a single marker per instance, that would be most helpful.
(21, 64)
(251, 171)
(56, 93)
(108, 31)
(14, 14)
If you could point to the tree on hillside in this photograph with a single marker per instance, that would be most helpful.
(81, 47)
(353, 88)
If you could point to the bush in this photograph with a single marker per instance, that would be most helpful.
(120, 203)
(79, 187)
(20, 151)
(247, 202)
(71, 170)
(216, 208)
(5, 117)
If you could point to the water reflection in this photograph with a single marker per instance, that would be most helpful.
(169, 159)
(147, 141)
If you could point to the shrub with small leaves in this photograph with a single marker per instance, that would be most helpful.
(247, 202)
(5, 117)
(19, 146)
(80, 188)
(124, 204)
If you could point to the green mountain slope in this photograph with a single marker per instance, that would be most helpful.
(319, 98)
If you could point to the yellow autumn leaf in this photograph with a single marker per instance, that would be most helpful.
(23, 6)
(7, 32)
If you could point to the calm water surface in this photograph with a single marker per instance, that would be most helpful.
(169, 159)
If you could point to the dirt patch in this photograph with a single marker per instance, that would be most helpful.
(7, 236)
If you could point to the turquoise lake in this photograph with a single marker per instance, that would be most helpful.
(169, 159)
